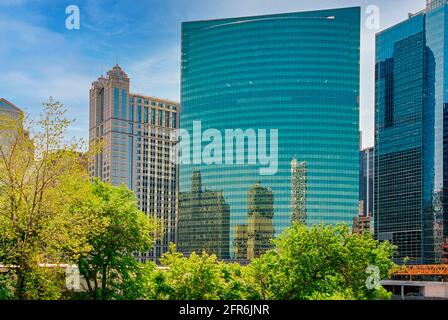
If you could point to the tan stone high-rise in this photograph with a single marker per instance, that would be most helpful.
(138, 136)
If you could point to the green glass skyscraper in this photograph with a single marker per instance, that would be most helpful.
(297, 73)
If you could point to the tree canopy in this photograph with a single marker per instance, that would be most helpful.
(51, 213)
(41, 175)
(321, 262)
(307, 263)
(110, 267)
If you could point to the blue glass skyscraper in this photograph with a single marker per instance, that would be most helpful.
(412, 135)
(297, 73)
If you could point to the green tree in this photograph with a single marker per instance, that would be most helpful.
(41, 175)
(321, 262)
(198, 277)
(6, 287)
(109, 268)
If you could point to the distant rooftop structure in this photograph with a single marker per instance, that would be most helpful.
(119, 76)
(434, 4)
(430, 5)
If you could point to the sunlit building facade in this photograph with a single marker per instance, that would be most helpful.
(137, 133)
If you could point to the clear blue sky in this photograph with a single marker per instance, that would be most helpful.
(39, 57)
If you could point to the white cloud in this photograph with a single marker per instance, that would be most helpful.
(17, 36)
(157, 75)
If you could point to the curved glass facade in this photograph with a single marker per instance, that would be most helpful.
(297, 73)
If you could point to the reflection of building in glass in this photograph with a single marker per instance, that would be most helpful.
(204, 221)
(411, 154)
(260, 230)
(240, 241)
(298, 191)
(295, 72)
(137, 133)
(254, 238)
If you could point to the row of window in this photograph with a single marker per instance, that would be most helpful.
(152, 103)
(146, 115)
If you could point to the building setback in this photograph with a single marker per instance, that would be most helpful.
(297, 73)
(138, 136)
(411, 147)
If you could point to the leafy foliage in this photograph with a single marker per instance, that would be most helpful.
(6, 287)
(321, 262)
(110, 267)
(51, 213)
(317, 263)
(41, 175)
(199, 277)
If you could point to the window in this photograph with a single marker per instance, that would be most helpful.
(153, 116)
(116, 99)
(131, 112)
(124, 103)
(160, 116)
(139, 114)
(174, 120)
(167, 119)
(146, 119)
